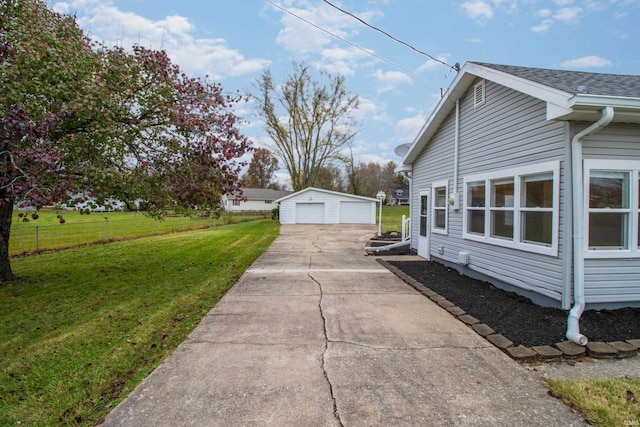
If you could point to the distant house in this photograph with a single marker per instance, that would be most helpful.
(398, 197)
(318, 206)
(253, 199)
(530, 178)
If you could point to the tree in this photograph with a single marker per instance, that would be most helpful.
(371, 178)
(309, 123)
(261, 169)
(330, 178)
(76, 116)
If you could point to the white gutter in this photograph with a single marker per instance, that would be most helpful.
(573, 322)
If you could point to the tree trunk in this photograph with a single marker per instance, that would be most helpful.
(6, 211)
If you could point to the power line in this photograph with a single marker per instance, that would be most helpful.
(353, 44)
(454, 67)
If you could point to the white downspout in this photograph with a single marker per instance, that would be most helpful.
(573, 321)
(454, 198)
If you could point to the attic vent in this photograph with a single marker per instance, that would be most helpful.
(478, 94)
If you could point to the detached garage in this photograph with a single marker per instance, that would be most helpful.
(317, 206)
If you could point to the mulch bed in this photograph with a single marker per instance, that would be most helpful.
(516, 317)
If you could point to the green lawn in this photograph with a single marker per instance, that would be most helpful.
(605, 403)
(82, 327)
(392, 217)
(46, 232)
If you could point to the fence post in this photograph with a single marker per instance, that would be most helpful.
(106, 228)
(37, 236)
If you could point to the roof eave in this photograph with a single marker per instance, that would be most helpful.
(585, 107)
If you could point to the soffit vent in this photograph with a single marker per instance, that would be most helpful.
(478, 94)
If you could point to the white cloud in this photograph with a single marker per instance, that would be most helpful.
(106, 23)
(563, 2)
(544, 13)
(477, 10)
(301, 33)
(587, 62)
(373, 158)
(569, 15)
(407, 129)
(543, 26)
(389, 80)
(338, 60)
(432, 64)
(370, 111)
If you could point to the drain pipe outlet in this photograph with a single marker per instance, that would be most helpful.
(573, 322)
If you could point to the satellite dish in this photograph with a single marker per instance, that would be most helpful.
(401, 149)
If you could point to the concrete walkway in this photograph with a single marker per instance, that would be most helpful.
(317, 334)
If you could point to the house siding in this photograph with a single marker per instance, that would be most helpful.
(250, 205)
(509, 130)
(612, 280)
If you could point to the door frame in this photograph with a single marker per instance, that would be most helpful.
(424, 196)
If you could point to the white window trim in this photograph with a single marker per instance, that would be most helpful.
(434, 188)
(632, 166)
(516, 173)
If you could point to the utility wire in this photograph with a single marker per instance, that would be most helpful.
(354, 45)
(454, 67)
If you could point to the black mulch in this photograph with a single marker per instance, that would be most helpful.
(516, 317)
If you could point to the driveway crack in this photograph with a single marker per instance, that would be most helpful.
(336, 414)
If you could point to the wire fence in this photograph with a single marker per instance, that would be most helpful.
(50, 233)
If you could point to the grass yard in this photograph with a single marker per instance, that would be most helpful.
(605, 403)
(392, 217)
(82, 327)
(46, 232)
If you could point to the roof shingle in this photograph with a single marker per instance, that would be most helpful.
(576, 82)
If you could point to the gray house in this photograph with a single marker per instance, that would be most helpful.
(529, 178)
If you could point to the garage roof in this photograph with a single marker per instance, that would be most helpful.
(335, 193)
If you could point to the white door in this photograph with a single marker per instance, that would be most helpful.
(355, 213)
(309, 213)
(423, 224)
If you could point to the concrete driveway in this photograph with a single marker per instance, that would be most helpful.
(315, 333)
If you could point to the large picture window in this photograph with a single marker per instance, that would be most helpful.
(612, 207)
(516, 208)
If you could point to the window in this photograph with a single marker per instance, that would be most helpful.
(440, 207)
(236, 202)
(424, 210)
(516, 208)
(502, 208)
(536, 208)
(268, 202)
(476, 207)
(612, 206)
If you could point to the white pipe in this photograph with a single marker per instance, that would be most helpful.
(573, 321)
(456, 143)
(376, 249)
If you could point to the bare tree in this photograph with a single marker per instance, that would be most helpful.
(261, 169)
(309, 122)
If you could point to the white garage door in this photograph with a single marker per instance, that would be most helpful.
(355, 213)
(309, 213)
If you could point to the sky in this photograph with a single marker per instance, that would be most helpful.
(398, 76)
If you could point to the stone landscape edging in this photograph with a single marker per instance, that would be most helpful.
(520, 353)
